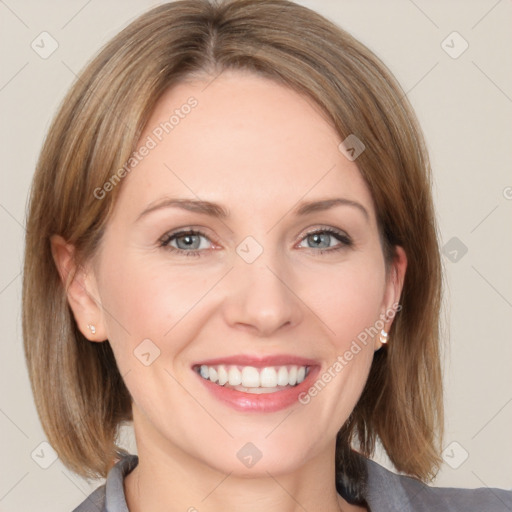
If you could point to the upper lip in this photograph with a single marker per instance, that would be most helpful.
(259, 361)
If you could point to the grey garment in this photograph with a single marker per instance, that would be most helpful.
(386, 492)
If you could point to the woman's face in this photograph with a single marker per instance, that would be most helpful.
(254, 295)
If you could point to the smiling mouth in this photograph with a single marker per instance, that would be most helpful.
(249, 379)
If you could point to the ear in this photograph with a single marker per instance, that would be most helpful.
(394, 285)
(81, 290)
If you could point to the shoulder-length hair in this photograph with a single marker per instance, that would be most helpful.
(79, 393)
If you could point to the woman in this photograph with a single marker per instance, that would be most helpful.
(281, 155)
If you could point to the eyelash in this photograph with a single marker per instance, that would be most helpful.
(339, 235)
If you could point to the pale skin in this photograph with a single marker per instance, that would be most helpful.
(258, 149)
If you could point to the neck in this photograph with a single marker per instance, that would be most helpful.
(168, 479)
(180, 489)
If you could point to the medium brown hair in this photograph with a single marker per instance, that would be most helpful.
(79, 393)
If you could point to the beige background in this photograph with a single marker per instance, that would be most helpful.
(464, 105)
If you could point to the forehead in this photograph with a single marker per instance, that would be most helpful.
(244, 138)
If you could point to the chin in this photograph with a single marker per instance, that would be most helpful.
(249, 459)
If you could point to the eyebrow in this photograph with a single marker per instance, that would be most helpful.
(218, 211)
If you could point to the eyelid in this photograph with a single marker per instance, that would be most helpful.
(326, 228)
(187, 230)
(342, 236)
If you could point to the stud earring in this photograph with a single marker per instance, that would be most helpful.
(383, 337)
(92, 328)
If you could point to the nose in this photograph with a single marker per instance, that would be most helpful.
(261, 298)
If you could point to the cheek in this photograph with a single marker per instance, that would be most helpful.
(143, 301)
(350, 299)
(350, 309)
(147, 299)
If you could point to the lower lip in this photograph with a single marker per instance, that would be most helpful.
(265, 402)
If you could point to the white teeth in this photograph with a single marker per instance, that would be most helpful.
(213, 374)
(250, 377)
(204, 371)
(292, 376)
(223, 375)
(282, 376)
(268, 378)
(234, 376)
